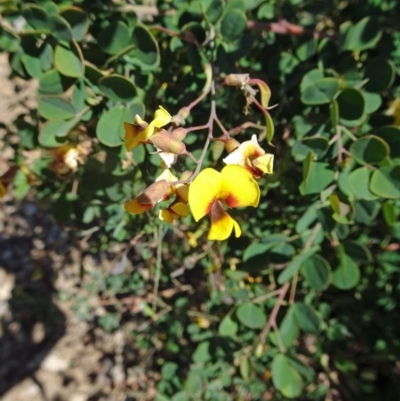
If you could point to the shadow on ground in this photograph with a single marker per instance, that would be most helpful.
(30, 322)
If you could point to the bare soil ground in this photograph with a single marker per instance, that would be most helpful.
(46, 352)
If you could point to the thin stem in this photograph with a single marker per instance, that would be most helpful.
(120, 54)
(272, 319)
(157, 276)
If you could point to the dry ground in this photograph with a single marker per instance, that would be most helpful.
(46, 352)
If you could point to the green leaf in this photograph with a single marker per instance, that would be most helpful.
(391, 135)
(285, 378)
(36, 16)
(114, 38)
(68, 59)
(227, 327)
(311, 78)
(359, 181)
(146, 53)
(53, 133)
(55, 108)
(380, 73)
(317, 272)
(347, 275)
(52, 82)
(233, 24)
(369, 149)
(320, 176)
(93, 74)
(317, 145)
(320, 92)
(306, 318)
(193, 384)
(9, 41)
(385, 182)
(214, 11)
(390, 212)
(117, 88)
(289, 330)
(351, 104)
(60, 28)
(78, 21)
(295, 265)
(364, 35)
(372, 102)
(270, 127)
(110, 128)
(251, 316)
(359, 252)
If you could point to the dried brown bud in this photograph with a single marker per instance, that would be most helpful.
(239, 80)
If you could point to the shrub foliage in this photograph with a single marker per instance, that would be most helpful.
(304, 303)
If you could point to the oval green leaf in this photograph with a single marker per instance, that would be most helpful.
(9, 41)
(385, 182)
(369, 149)
(117, 88)
(53, 133)
(320, 92)
(233, 24)
(55, 108)
(68, 59)
(114, 38)
(251, 316)
(53, 83)
(347, 275)
(60, 28)
(110, 128)
(317, 272)
(146, 52)
(285, 377)
(36, 16)
(306, 318)
(78, 21)
(359, 181)
(351, 105)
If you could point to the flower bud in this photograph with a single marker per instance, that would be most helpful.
(231, 144)
(164, 141)
(155, 193)
(179, 133)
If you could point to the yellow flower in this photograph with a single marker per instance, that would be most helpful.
(140, 132)
(234, 186)
(160, 191)
(252, 157)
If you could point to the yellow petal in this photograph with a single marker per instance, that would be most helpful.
(3, 190)
(135, 207)
(263, 164)
(204, 191)
(167, 216)
(246, 150)
(180, 208)
(239, 187)
(136, 135)
(161, 117)
(222, 224)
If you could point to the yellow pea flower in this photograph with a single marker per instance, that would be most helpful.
(234, 187)
(252, 157)
(162, 190)
(3, 190)
(140, 132)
